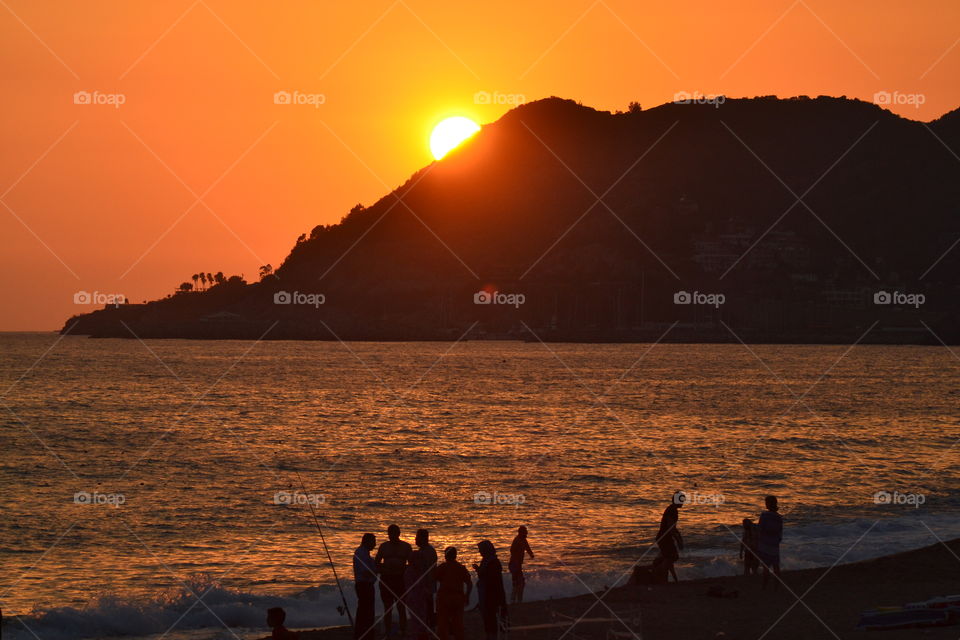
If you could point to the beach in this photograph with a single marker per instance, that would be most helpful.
(830, 605)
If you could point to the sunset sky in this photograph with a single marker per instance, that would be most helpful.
(200, 169)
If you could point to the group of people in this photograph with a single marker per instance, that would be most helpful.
(759, 543)
(437, 593)
(434, 593)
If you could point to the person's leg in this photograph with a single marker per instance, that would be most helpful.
(489, 622)
(521, 583)
(365, 609)
(358, 623)
(399, 589)
(358, 628)
(456, 622)
(443, 620)
(388, 599)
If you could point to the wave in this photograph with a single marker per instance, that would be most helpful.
(176, 613)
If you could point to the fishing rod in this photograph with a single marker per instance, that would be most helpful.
(316, 521)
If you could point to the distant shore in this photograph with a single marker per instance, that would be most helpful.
(832, 600)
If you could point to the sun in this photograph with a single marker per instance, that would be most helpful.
(449, 133)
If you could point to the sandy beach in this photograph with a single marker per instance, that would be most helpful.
(830, 605)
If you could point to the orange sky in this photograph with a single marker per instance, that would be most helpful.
(98, 197)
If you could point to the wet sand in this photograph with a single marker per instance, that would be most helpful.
(832, 600)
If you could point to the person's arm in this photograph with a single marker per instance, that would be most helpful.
(467, 581)
(526, 543)
(378, 561)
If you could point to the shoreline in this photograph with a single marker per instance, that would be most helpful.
(832, 600)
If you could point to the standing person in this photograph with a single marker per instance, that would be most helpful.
(748, 548)
(364, 581)
(391, 563)
(517, 549)
(668, 537)
(451, 599)
(429, 571)
(417, 595)
(769, 535)
(493, 598)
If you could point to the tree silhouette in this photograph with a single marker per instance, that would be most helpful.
(195, 277)
(203, 279)
(265, 271)
(186, 286)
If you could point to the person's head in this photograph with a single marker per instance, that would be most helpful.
(450, 554)
(486, 549)
(522, 531)
(276, 616)
(771, 502)
(423, 537)
(369, 541)
(747, 523)
(393, 532)
(678, 499)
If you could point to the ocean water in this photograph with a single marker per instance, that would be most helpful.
(138, 475)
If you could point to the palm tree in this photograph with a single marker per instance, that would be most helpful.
(209, 278)
(219, 277)
(195, 277)
(203, 279)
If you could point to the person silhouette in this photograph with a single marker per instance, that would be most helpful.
(276, 616)
(364, 581)
(451, 599)
(493, 598)
(669, 539)
(769, 536)
(519, 546)
(418, 595)
(428, 569)
(748, 548)
(391, 562)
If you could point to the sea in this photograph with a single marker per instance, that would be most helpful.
(178, 488)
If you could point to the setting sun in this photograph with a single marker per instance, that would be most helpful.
(450, 133)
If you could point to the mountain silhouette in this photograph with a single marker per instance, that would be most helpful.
(763, 219)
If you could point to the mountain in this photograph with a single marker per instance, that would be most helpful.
(786, 220)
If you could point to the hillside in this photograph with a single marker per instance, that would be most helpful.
(695, 198)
